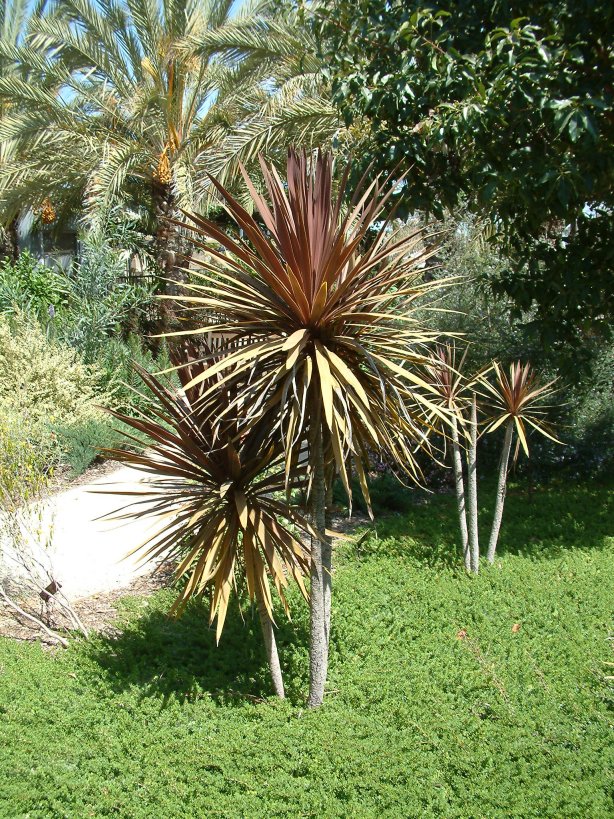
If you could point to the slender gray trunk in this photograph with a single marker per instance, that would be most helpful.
(501, 490)
(472, 489)
(271, 649)
(319, 600)
(460, 494)
(327, 560)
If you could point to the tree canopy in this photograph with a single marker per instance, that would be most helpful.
(508, 107)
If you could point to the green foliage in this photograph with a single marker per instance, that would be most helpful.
(102, 303)
(23, 471)
(473, 310)
(585, 421)
(591, 421)
(27, 286)
(81, 443)
(419, 721)
(387, 495)
(120, 380)
(43, 384)
(507, 105)
(51, 392)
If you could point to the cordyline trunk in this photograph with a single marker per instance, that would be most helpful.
(501, 490)
(460, 494)
(328, 552)
(271, 649)
(472, 489)
(320, 593)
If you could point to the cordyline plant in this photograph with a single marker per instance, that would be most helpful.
(516, 402)
(214, 485)
(445, 374)
(457, 393)
(331, 355)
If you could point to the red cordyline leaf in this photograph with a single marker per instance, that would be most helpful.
(214, 489)
(455, 389)
(518, 400)
(331, 346)
(445, 374)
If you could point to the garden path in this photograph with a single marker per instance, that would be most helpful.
(86, 552)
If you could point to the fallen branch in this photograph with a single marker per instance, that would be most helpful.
(50, 633)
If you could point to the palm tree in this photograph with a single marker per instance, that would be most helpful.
(113, 109)
(330, 349)
(275, 93)
(517, 404)
(139, 102)
(446, 376)
(16, 17)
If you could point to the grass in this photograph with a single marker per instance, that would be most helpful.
(437, 706)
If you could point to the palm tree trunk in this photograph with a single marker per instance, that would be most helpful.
(270, 645)
(320, 592)
(472, 490)
(501, 490)
(168, 250)
(460, 494)
(10, 244)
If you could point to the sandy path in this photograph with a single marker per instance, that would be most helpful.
(87, 554)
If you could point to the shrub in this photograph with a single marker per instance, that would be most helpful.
(43, 384)
(28, 286)
(23, 474)
(81, 444)
(125, 390)
(102, 303)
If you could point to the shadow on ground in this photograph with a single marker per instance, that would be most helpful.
(167, 657)
(178, 658)
(538, 523)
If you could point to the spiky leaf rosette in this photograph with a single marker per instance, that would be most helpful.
(331, 345)
(445, 374)
(519, 398)
(215, 492)
(454, 388)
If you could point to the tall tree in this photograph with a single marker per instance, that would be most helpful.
(112, 110)
(140, 102)
(16, 17)
(506, 105)
(275, 94)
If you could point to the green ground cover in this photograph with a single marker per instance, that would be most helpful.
(419, 720)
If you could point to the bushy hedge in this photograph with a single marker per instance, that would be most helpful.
(44, 385)
(67, 346)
